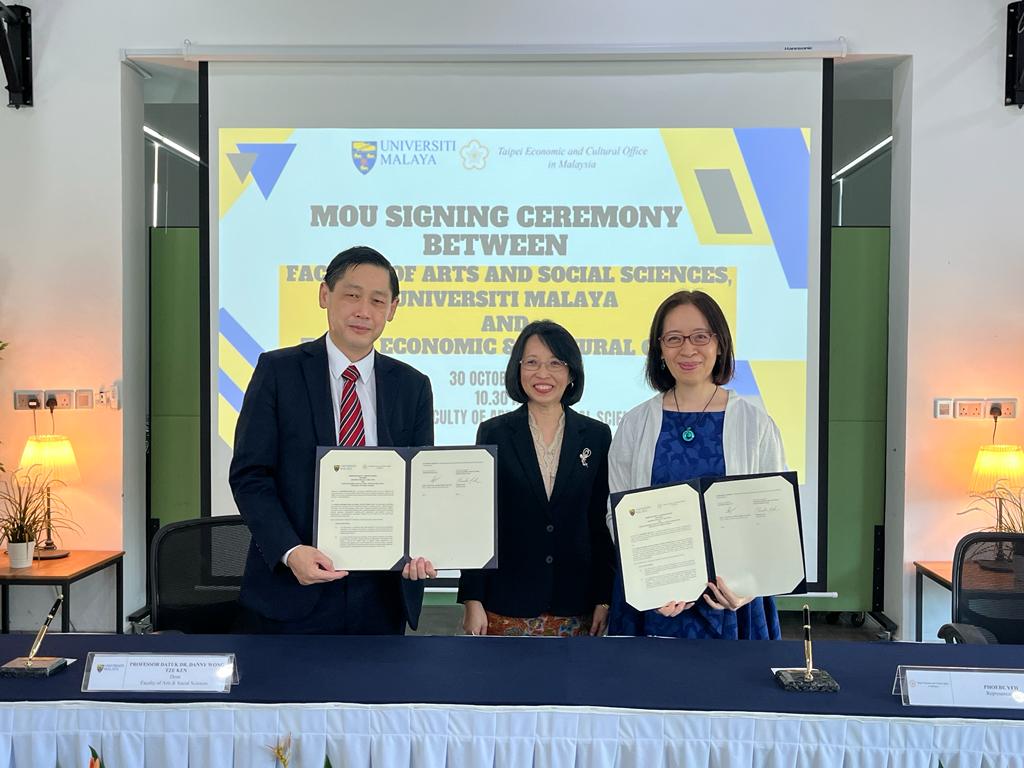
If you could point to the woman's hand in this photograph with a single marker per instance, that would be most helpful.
(673, 609)
(724, 598)
(474, 618)
(418, 568)
(600, 623)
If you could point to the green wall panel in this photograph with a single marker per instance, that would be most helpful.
(860, 319)
(858, 370)
(174, 468)
(174, 374)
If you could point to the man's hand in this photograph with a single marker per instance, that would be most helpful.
(311, 566)
(474, 618)
(419, 568)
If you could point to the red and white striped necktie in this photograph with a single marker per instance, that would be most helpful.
(351, 431)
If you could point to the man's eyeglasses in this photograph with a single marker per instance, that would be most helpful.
(697, 338)
(533, 365)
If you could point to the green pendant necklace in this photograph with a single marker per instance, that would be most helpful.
(688, 432)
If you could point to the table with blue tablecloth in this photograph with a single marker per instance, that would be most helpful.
(481, 701)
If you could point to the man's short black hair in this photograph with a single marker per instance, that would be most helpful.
(562, 345)
(354, 256)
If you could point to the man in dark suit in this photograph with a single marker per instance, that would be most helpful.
(336, 390)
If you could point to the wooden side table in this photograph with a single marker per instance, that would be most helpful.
(61, 573)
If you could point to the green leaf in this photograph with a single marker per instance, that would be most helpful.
(27, 507)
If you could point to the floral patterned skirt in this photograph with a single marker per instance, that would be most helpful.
(544, 625)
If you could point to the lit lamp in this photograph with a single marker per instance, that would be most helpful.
(53, 455)
(997, 465)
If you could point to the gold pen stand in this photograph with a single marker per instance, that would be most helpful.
(40, 666)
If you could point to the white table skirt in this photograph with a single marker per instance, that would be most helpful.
(40, 735)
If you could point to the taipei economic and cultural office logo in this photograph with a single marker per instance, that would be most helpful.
(364, 155)
(474, 155)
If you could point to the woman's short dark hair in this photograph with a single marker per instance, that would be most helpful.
(354, 256)
(562, 345)
(658, 376)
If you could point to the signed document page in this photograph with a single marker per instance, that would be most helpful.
(451, 507)
(755, 534)
(661, 546)
(361, 509)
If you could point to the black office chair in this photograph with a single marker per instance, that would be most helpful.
(197, 574)
(988, 589)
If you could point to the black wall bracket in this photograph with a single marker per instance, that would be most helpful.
(16, 53)
(1015, 54)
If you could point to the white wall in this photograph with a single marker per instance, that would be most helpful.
(64, 256)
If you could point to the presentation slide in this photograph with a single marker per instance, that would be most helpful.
(490, 229)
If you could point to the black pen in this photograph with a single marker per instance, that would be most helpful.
(807, 645)
(46, 625)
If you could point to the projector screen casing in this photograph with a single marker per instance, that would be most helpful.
(530, 95)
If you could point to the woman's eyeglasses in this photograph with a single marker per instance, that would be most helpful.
(697, 338)
(533, 365)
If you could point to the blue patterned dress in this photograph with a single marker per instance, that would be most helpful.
(676, 461)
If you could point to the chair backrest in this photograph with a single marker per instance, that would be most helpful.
(988, 583)
(197, 574)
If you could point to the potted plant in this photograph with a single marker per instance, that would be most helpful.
(25, 498)
(1005, 504)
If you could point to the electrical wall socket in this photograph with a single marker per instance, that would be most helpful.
(1008, 406)
(22, 397)
(65, 398)
(107, 397)
(973, 407)
(968, 408)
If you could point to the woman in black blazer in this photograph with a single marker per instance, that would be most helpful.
(555, 564)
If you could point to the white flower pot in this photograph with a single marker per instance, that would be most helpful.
(20, 553)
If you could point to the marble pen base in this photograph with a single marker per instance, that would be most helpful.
(40, 666)
(796, 680)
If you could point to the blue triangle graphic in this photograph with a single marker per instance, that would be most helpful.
(270, 161)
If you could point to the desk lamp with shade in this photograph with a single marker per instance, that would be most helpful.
(55, 457)
(998, 466)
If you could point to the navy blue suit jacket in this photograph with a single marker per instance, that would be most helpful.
(287, 412)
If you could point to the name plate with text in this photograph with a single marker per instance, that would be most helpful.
(960, 687)
(160, 672)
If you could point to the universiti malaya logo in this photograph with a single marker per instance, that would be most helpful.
(364, 155)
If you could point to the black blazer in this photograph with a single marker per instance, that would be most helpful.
(287, 412)
(553, 556)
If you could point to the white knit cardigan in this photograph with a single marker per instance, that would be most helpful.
(751, 442)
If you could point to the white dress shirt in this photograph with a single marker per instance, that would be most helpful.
(366, 389)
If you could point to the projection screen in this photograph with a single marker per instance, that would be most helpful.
(505, 192)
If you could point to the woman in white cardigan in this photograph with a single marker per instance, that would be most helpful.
(693, 427)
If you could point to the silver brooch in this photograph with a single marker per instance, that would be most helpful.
(584, 455)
